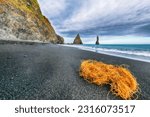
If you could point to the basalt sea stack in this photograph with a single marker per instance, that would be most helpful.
(77, 40)
(97, 41)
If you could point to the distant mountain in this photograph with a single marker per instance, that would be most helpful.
(77, 40)
(22, 19)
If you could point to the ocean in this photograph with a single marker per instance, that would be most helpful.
(136, 52)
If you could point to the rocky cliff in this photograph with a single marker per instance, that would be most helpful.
(77, 40)
(22, 19)
(60, 40)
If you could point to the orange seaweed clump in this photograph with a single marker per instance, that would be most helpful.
(121, 80)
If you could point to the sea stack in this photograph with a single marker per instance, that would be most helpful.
(77, 40)
(97, 41)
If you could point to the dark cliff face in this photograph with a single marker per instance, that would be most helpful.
(60, 40)
(77, 40)
(22, 19)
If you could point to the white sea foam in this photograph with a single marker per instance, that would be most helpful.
(130, 54)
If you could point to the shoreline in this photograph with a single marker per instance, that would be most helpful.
(51, 72)
(100, 52)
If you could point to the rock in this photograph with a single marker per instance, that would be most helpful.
(28, 4)
(23, 20)
(60, 40)
(97, 41)
(77, 40)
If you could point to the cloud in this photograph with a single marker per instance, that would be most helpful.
(52, 8)
(98, 17)
(104, 13)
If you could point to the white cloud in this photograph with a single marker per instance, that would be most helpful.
(89, 16)
(106, 12)
(130, 39)
(52, 8)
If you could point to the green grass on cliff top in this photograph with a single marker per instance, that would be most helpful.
(27, 6)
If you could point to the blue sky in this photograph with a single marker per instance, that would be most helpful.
(115, 21)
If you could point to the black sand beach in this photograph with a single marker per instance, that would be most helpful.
(51, 72)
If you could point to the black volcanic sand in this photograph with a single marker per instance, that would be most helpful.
(50, 72)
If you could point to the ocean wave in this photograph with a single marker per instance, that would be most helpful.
(138, 53)
(130, 54)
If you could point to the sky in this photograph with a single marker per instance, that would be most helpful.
(115, 21)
